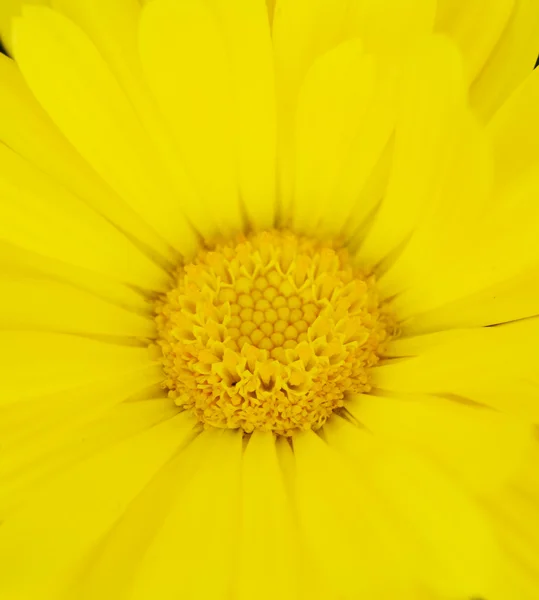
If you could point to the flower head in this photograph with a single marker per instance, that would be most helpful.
(269, 306)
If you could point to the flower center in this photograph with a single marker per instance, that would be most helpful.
(269, 333)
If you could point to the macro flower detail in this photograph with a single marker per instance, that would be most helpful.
(269, 300)
(269, 334)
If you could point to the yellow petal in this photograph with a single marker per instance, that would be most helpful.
(18, 263)
(482, 447)
(514, 130)
(37, 214)
(430, 99)
(511, 61)
(46, 436)
(113, 28)
(26, 128)
(331, 108)
(8, 10)
(52, 52)
(458, 553)
(201, 529)
(346, 532)
(475, 26)
(268, 539)
(183, 49)
(312, 582)
(270, 4)
(345, 117)
(29, 305)
(515, 518)
(364, 190)
(46, 542)
(491, 255)
(38, 363)
(64, 410)
(390, 28)
(513, 299)
(302, 31)
(444, 540)
(494, 366)
(453, 212)
(114, 563)
(247, 35)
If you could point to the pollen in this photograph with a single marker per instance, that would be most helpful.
(271, 332)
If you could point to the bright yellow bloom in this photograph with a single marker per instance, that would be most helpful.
(269, 316)
(281, 330)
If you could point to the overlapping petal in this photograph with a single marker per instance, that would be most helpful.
(130, 133)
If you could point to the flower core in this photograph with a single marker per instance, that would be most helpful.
(270, 332)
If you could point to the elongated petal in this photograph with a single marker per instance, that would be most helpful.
(455, 211)
(53, 433)
(246, 32)
(49, 362)
(112, 139)
(39, 215)
(493, 254)
(346, 532)
(476, 27)
(22, 264)
(68, 310)
(430, 98)
(513, 299)
(515, 519)
(494, 366)
(444, 539)
(113, 565)
(114, 29)
(205, 517)
(332, 106)
(511, 61)
(27, 129)
(183, 49)
(483, 448)
(44, 544)
(304, 30)
(269, 543)
(512, 132)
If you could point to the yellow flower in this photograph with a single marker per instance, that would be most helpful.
(269, 300)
